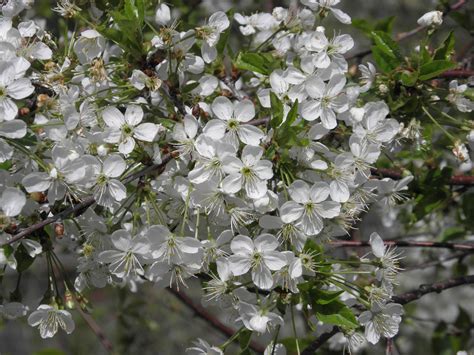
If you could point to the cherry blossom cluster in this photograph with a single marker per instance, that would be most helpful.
(241, 200)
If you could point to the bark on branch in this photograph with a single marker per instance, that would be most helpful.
(87, 202)
(201, 312)
(456, 180)
(437, 287)
(407, 244)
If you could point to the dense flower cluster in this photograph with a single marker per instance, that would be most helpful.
(256, 173)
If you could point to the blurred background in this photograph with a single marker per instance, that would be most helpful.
(154, 321)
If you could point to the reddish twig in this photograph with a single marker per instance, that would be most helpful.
(107, 344)
(211, 319)
(437, 287)
(406, 244)
(81, 207)
(457, 73)
(461, 180)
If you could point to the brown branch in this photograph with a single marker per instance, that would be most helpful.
(406, 244)
(404, 35)
(461, 180)
(87, 202)
(211, 319)
(107, 344)
(457, 73)
(315, 345)
(437, 287)
(259, 121)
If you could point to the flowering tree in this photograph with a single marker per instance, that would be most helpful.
(243, 155)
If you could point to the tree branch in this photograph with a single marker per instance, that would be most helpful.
(437, 287)
(87, 202)
(107, 344)
(457, 73)
(211, 319)
(461, 180)
(315, 345)
(407, 244)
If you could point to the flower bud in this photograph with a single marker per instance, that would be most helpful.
(432, 18)
(59, 230)
(69, 299)
(38, 197)
(23, 111)
(460, 151)
(163, 15)
(383, 88)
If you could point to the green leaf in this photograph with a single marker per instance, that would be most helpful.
(469, 93)
(6, 165)
(425, 56)
(189, 87)
(409, 78)
(244, 339)
(254, 62)
(290, 344)
(323, 297)
(292, 115)
(363, 25)
(386, 52)
(384, 62)
(387, 45)
(135, 11)
(277, 111)
(336, 313)
(434, 68)
(385, 25)
(446, 49)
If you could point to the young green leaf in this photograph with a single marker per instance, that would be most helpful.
(434, 68)
(446, 49)
(277, 111)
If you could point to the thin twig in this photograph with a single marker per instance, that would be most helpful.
(211, 319)
(406, 244)
(315, 345)
(457, 73)
(460, 180)
(87, 202)
(437, 287)
(96, 329)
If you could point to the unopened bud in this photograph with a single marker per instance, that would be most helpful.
(23, 111)
(383, 88)
(460, 151)
(69, 299)
(42, 100)
(59, 230)
(39, 197)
